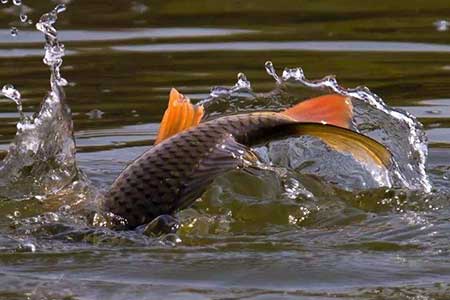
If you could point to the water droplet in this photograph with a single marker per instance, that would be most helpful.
(54, 50)
(294, 73)
(243, 81)
(60, 8)
(139, 7)
(10, 92)
(270, 69)
(26, 247)
(23, 17)
(442, 25)
(242, 85)
(17, 2)
(95, 114)
(14, 31)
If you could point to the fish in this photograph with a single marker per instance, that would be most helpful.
(189, 153)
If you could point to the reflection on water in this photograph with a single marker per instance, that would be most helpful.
(252, 237)
(138, 33)
(349, 46)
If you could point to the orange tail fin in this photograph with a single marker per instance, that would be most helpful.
(331, 109)
(180, 115)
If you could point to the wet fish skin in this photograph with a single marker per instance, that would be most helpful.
(173, 174)
(188, 156)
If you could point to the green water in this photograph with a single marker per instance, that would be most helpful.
(244, 240)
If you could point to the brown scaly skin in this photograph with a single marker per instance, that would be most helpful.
(173, 174)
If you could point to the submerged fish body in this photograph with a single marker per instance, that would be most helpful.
(172, 174)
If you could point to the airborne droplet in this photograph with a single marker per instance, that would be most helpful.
(14, 31)
(270, 69)
(442, 25)
(10, 92)
(23, 17)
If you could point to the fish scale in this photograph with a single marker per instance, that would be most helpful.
(174, 173)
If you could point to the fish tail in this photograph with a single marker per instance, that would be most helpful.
(361, 147)
(330, 109)
(180, 115)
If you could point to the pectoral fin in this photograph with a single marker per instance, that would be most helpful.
(227, 155)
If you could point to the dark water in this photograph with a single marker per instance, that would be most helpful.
(245, 239)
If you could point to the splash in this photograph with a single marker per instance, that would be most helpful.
(397, 129)
(41, 158)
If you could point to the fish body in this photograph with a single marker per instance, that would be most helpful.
(176, 171)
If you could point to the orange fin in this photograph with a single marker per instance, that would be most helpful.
(180, 115)
(330, 109)
(344, 140)
(363, 148)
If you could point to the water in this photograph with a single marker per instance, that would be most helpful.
(279, 234)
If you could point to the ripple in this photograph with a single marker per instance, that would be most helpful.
(433, 108)
(347, 46)
(438, 135)
(108, 137)
(127, 34)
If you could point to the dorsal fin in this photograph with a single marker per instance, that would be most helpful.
(180, 115)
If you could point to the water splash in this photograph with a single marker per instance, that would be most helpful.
(242, 85)
(41, 158)
(54, 50)
(396, 129)
(405, 138)
(11, 93)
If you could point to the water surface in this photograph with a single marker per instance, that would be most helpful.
(245, 239)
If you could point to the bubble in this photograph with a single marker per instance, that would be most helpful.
(17, 2)
(4, 1)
